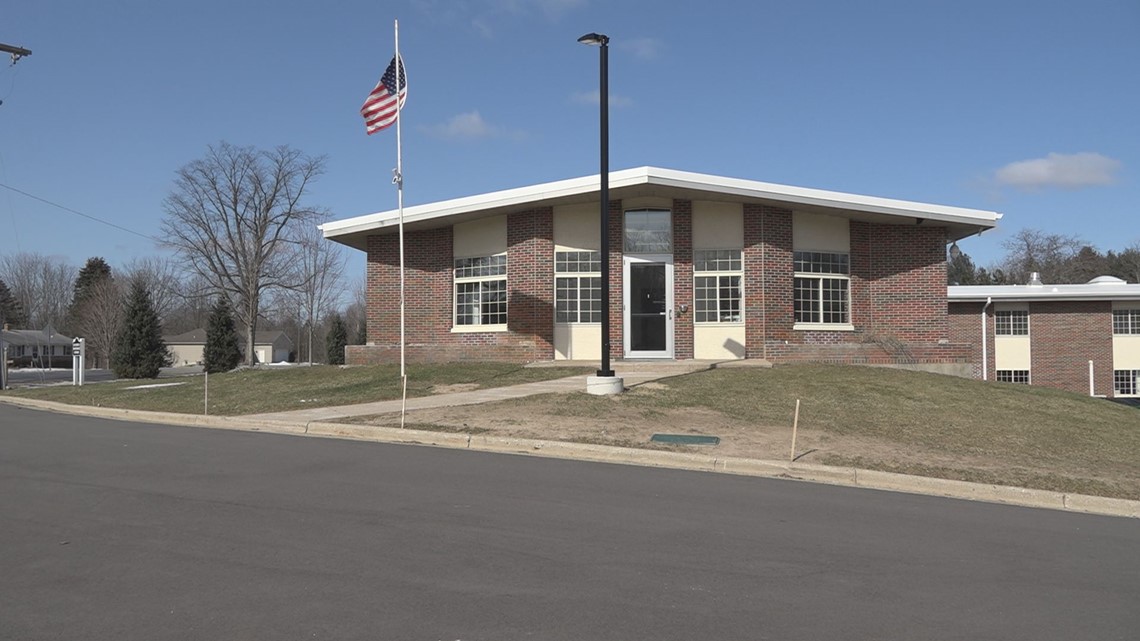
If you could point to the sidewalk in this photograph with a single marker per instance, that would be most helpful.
(633, 373)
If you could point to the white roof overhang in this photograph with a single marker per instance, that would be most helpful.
(1029, 293)
(653, 181)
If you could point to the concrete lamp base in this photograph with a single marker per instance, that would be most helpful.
(604, 385)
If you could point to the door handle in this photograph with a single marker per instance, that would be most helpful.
(670, 314)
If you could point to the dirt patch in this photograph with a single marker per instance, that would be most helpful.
(615, 422)
(621, 421)
(453, 388)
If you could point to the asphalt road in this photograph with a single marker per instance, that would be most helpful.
(119, 531)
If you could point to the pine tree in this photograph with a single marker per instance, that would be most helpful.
(11, 311)
(93, 273)
(139, 350)
(336, 340)
(222, 352)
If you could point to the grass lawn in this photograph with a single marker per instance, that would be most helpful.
(256, 391)
(872, 418)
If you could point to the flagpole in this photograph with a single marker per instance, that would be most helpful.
(399, 179)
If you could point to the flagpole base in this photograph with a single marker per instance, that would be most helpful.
(604, 385)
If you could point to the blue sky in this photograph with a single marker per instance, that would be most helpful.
(1027, 108)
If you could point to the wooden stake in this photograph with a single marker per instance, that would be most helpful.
(795, 426)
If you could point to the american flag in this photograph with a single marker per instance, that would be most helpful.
(380, 108)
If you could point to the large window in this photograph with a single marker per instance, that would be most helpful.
(1011, 322)
(1126, 321)
(648, 231)
(821, 291)
(1126, 382)
(1013, 376)
(716, 285)
(481, 290)
(577, 287)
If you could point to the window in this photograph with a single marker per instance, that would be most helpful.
(481, 290)
(578, 298)
(716, 285)
(821, 292)
(1011, 322)
(648, 231)
(1126, 382)
(1013, 376)
(1126, 321)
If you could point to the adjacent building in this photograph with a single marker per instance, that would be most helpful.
(1082, 338)
(701, 267)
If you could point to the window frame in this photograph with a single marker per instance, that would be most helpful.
(1130, 323)
(1121, 375)
(1012, 326)
(563, 273)
(836, 269)
(652, 249)
(734, 270)
(1013, 376)
(482, 276)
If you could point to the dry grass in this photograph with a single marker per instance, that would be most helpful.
(893, 420)
(255, 391)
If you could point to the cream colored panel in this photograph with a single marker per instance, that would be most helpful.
(577, 227)
(580, 342)
(1011, 352)
(1126, 352)
(484, 237)
(817, 232)
(647, 202)
(718, 225)
(718, 342)
(187, 354)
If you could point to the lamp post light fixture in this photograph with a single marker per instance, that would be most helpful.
(603, 42)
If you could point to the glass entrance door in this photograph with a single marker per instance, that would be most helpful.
(649, 307)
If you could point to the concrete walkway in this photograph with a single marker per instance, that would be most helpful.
(633, 373)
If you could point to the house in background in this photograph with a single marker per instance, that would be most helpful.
(1082, 338)
(31, 347)
(701, 267)
(272, 346)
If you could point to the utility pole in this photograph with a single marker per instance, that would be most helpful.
(17, 52)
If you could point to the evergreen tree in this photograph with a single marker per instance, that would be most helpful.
(336, 340)
(139, 350)
(222, 352)
(87, 282)
(11, 311)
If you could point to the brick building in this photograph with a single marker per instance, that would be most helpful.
(1082, 338)
(701, 267)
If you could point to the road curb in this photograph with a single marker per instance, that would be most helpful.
(810, 472)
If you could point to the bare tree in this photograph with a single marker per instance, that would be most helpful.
(100, 317)
(320, 265)
(42, 285)
(1032, 250)
(161, 278)
(231, 216)
(356, 314)
(192, 306)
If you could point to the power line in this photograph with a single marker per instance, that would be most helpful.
(79, 213)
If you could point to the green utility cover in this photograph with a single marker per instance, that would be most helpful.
(686, 439)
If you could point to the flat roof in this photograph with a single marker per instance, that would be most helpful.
(654, 181)
(1100, 288)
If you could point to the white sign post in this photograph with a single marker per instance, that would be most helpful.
(78, 360)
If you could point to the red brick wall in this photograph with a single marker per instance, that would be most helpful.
(1064, 337)
(898, 294)
(683, 278)
(430, 297)
(965, 322)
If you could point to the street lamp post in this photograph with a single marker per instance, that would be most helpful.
(604, 99)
